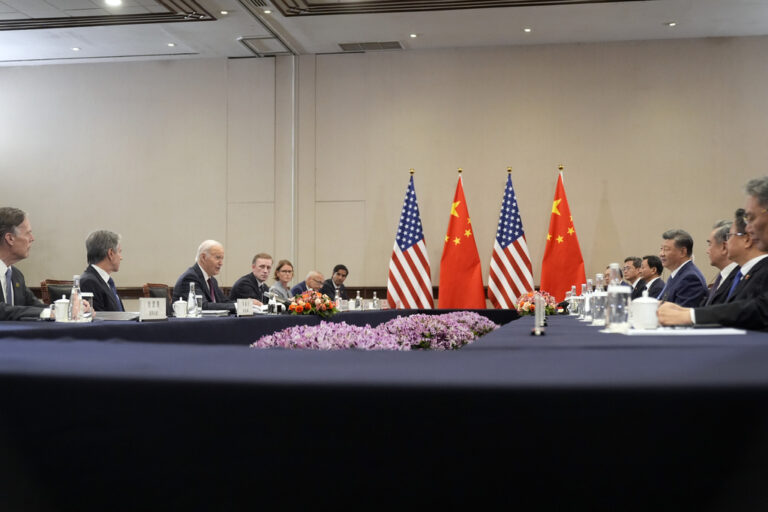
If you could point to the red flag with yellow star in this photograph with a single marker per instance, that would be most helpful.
(563, 265)
(461, 279)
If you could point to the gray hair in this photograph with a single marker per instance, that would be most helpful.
(722, 228)
(681, 238)
(98, 244)
(758, 188)
(206, 247)
(10, 220)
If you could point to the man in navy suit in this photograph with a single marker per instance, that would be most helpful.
(313, 281)
(336, 283)
(254, 284)
(18, 301)
(717, 250)
(104, 254)
(686, 284)
(752, 277)
(210, 259)
(650, 272)
(749, 313)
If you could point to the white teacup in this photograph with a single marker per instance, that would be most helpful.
(643, 313)
(180, 308)
(61, 309)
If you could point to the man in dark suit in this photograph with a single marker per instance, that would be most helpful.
(650, 272)
(686, 284)
(751, 278)
(253, 285)
(631, 272)
(750, 313)
(210, 258)
(336, 283)
(313, 281)
(18, 301)
(717, 250)
(104, 254)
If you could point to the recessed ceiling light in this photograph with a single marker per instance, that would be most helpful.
(527, 30)
(671, 23)
(75, 49)
(171, 44)
(267, 11)
(224, 13)
(414, 36)
(113, 3)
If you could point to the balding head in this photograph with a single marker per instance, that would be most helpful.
(314, 280)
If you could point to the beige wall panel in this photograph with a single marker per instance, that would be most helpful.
(139, 148)
(654, 135)
(249, 231)
(251, 130)
(304, 210)
(334, 224)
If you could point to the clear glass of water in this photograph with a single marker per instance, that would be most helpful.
(198, 305)
(617, 308)
(87, 314)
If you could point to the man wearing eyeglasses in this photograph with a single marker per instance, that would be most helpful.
(751, 278)
(749, 313)
(631, 271)
(717, 250)
(686, 284)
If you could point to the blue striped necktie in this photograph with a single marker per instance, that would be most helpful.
(8, 287)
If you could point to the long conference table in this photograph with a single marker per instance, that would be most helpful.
(128, 416)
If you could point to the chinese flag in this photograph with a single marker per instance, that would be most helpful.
(461, 280)
(563, 265)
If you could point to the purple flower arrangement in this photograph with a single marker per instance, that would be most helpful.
(438, 332)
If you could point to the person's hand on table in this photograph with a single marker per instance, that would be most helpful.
(257, 303)
(672, 314)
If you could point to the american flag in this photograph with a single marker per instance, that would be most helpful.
(409, 285)
(511, 273)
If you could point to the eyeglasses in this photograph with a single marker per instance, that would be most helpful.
(286, 271)
(750, 217)
(729, 235)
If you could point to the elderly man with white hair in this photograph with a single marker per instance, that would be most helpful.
(210, 258)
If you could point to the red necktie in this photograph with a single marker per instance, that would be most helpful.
(210, 286)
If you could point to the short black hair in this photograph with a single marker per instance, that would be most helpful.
(740, 221)
(682, 239)
(340, 267)
(654, 262)
(636, 262)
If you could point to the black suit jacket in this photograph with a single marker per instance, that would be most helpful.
(248, 287)
(654, 292)
(103, 298)
(25, 304)
(752, 284)
(194, 275)
(722, 291)
(330, 290)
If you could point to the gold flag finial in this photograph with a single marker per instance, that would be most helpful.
(509, 170)
(560, 167)
(412, 171)
(461, 170)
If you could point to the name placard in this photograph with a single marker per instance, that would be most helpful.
(244, 307)
(151, 308)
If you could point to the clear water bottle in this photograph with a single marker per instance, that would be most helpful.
(617, 306)
(572, 302)
(581, 299)
(598, 301)
(75, 310)
(375, 302)
(358, 301)
(337, 300)
(588, 301)
(191, 301)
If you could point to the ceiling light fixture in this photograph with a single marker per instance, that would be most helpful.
(414, 36)
(75, 49)
(527, 30)
(224, 13)
(267, 11)
(171, 44)
(114, 3)
(671, 23)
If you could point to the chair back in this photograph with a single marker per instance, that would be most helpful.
(160, 291)
(54, 289)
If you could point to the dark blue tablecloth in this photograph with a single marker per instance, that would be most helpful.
(569, 422)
